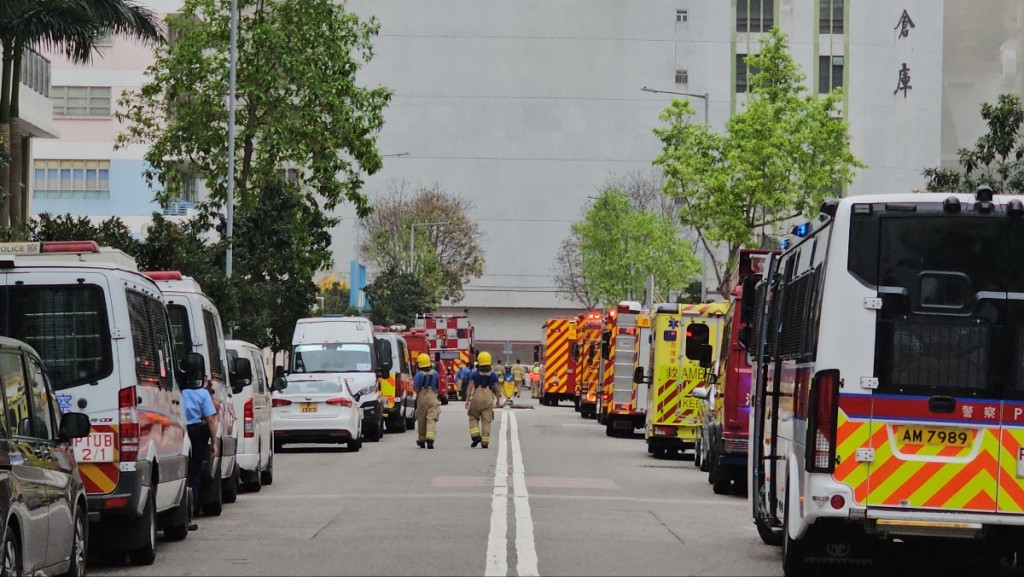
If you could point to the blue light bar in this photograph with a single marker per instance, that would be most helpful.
(802, 230)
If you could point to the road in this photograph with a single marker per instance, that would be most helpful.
(551, 496)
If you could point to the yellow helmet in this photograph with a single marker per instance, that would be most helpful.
(423, 360)
(484, 358)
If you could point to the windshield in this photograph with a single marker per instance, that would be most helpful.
(952, 319)
(332, 358)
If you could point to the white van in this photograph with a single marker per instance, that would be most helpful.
(196, 327)
(102, 330)
(251, 390)
(313, 344)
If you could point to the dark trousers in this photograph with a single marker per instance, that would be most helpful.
(199, 435)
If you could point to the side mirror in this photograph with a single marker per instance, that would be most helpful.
(706, 356)
(638, 375)
(241, 374)
(384, 364)
(195, 368)
(73, 426)
(699, 392)
(536, 353)
(437, 359)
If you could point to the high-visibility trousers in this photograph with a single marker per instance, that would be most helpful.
(481, 413)
(427, 410)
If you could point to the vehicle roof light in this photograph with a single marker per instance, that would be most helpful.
(802, 230)
(70, 246)
(163, 274)
(784, 244)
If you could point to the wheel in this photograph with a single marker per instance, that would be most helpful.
(354, 446)
(768, 535)
(722, 485)
(79, 546)
(410, 423)
(444, 400)
(231, 488)
(650, 448)
(146, 554)
(793, 562)
(215, 507)
(711, 468)
(255, 483)
(267, 475)
(609, 428)
(278, 445)
(698, 460)
(176, 527)
(12, 562)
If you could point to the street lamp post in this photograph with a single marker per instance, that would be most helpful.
(707, 119)
(412, 241)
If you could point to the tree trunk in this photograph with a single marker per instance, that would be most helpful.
(5, 176)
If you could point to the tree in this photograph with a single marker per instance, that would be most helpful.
(299, 104)
(621, 246)
(995, 160)
(396, 297)
(112, 232)
(779, 158)
(333, 297)
(70, 26)
(447, 255)
(568, 272)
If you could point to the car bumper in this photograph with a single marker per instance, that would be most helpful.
(313, 436)
(128, 498)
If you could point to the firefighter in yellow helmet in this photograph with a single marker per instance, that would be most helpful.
(428, 409)
(480, 399)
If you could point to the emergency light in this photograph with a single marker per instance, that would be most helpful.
(802, 230)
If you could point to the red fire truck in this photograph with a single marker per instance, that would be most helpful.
(418, 343)
(450, 335)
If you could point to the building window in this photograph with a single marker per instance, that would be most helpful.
(830, 16)
(743, 72)
(755, 15)
(71, 179)
(682, 16)
(830, 73)
(81, 101)
(682, 76)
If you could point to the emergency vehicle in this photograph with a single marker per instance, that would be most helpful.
(559, 378)
(606, 367)
(685, 336)
(417, 339)
(588, 360)
(622, 416)
(397, 399)
(451, 336)
(889, 392)
(722, 448)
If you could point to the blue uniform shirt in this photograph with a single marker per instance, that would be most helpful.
(480, 380)
(198, 404)
(425, 380)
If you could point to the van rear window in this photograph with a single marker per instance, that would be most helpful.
(151, 339)
(67, 326)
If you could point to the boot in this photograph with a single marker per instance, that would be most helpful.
(419, 443)
(476, 441)
(484, 445)
(430, 443)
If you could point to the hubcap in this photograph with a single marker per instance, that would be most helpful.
(78, 552)
(10, 566)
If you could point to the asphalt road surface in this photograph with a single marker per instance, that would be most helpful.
(553, 495)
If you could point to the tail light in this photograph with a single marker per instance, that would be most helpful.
(280, 403)
(247, 419)
(128, 425)
(823, 410)
(340, 402)
(664, 431)
(621, 406)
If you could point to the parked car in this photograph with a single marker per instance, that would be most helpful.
(196, 328)
(43, 510)
(102, 331)
(250, 390)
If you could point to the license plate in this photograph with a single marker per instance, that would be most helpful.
(622, 425)
(96, 448)
(307, 407)
(946, 437)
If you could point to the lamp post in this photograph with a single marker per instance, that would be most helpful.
(412, 241)
(707, 119)
(230, 204)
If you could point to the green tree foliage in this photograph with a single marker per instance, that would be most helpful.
(995, 160)
(333, 297)
(299, 104)
(112, 232)
(396, 296)
(621, 246)
(781, 155)
(447, 256)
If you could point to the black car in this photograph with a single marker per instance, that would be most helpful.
(43, 515)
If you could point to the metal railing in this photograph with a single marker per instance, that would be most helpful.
(35, 72)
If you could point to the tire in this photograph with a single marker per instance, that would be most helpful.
(609, 429)
(267, 475)
(410, 424)
(215, 507)
(178, 531)
(11, 563)
(768, 535)
(255, 483)
(231, 488)
(698, 457)
(722, 485)
(146, 554)
(793, 563)
(712, 469)
(278, 445)
(444, 400)
(79, 545)
(354, 446)
(650, 448)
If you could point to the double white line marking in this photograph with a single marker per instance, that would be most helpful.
(497, 541)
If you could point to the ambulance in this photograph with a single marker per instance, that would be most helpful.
(559, 378)
(888, 403)
(588, 360)
(685, 337)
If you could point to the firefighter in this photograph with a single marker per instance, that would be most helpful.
(480, 400)
(535, 380)
(428, 409)
(519, 375)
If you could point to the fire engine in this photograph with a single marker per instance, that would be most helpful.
(588, 359)
(685, 337)
(887, 401)
(606, 366)
(627, 350)
(418, 343)
(559, 378)
(449, 335)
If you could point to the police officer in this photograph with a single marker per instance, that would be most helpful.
(201, 421)
(428, 409)
(480, 400)
(462, 378)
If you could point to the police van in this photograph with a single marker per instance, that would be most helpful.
(196, 327)
(101, 328)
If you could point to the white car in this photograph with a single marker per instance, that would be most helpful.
(316, 408)
(250, 386)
